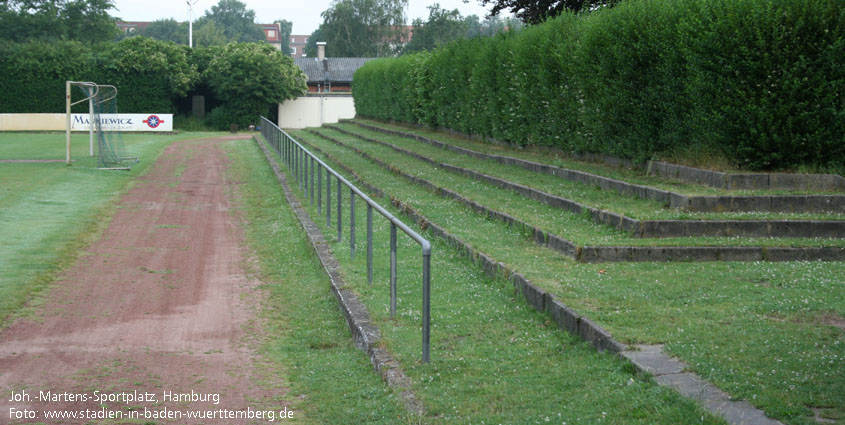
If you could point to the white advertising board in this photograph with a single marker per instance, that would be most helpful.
(125, 122)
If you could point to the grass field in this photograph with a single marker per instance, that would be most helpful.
(494, 360)
(49, 211)
(769, 333)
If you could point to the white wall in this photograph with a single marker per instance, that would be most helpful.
(33, 122)
(314, 110)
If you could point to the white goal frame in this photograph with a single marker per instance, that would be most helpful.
(94, 88)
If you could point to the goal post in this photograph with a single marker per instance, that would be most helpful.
(92, 88)
(103, 119)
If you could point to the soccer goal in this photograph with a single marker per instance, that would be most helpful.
(102, 122)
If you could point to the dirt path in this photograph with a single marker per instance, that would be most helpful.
(160, 304)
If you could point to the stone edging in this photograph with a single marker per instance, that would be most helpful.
(749, 181)
(666, 370)
(601, 254)
(645, 228)
(773, 203)
(366, 334)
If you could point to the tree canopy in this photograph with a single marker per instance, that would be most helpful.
(87, 21)
(167, 30)
(441, 27)
(285, 30)
(250, 78)
(362, 28)
(233, 20)
(536, 11)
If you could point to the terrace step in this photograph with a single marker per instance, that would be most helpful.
(773, 203)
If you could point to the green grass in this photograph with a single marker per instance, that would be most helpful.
(559, 159)
(734, 323)
(330, 380)
(494, 359)
(577, 228)
(49, 212)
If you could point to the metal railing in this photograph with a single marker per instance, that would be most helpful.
(302, 164)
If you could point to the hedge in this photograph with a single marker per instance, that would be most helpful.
(241, 80)
(760, 82)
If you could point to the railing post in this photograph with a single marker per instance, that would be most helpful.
(352, 224)
(339, 211)
(392, 270)
(319, 189)
(311, 180)
(369, 244)
(426, 306)
(328, 199)
(305, 174)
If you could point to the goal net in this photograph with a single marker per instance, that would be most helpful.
(102, 122)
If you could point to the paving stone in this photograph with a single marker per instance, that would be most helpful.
(739, 413)
(691, 385)
(652, 359)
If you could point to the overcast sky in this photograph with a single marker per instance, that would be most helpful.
(305, 15)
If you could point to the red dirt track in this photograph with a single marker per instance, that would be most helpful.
(161, 302)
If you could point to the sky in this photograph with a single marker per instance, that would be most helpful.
(305, 15)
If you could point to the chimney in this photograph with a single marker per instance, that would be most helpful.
(321, 50)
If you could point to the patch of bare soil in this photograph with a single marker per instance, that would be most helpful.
(159, 305)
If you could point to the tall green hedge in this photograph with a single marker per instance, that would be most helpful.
(243, 79)
(761, 82)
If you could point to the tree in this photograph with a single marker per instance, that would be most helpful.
(442, 26)
(363, 28)
(167, 30)
(209, 34)
(286, 28)
(87, 21)
(250, 78)
(311, 43)
(150, 74)
(536, 11)
(236, 22)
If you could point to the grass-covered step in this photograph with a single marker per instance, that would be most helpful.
(604, 253)
(734, 323)
(748, 181)
(754, 202)
(638, 228)
(494, 360)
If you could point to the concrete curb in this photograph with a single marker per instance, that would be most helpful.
(366, 334)
(747, 181)
(603, 254)
(773, 203)
(646, 228)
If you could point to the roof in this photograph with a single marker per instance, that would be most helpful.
(334, 69)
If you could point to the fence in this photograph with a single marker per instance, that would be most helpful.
(302, 164)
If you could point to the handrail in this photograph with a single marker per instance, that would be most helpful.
(296, 157)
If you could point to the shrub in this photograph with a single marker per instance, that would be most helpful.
(758, 81)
